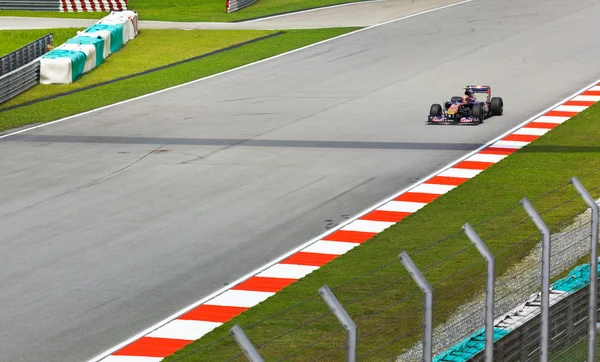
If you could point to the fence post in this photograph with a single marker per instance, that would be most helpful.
(247, 346)
(589, 200)
(344, 318)
(489, 290)
(428, 310)
(545, 302)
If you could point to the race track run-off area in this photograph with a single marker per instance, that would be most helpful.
(117, 218)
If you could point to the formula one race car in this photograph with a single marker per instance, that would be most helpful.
(467, 109)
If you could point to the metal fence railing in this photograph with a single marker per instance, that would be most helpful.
(20, 70)
(36, 5)
(235, 5)
(19, 80)
(383, 314)
(25, 54)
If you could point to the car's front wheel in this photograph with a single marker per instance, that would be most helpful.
(435, 110)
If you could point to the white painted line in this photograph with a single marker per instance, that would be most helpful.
(184, 329)
(552, 119)
(510, 144)
(330, 247)
(307, 11)
(587, 98)
(132, 359)
(460, 172)
(595, 89)
(402, 206)
(239, 298)
(571, 108)
(532, 131)
(368, 226)
(484, 157)
(433, 189)
(223, 290)
(287, 271)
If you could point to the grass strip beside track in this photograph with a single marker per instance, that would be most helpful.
(11, 40)
(177, 10)
(296, 325)
(154, 48)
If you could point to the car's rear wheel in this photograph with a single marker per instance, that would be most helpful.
(478, 113)
(496, 106)
(435, 110)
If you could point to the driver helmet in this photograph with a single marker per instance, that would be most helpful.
(465, 99)
(470, 94)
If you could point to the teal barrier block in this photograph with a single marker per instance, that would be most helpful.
(77, 60)
(578, 278)
(98, 43)
(469, 346)
(116, 34)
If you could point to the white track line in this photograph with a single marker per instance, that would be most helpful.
(308, 11)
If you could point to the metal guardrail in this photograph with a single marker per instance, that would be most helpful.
(25, 54)
(20, 70)
(235, 5)
(19, 80)
(39, 5)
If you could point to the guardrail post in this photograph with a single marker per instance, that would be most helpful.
(589, 200)
(428, 301)
(489, 290)
(345, 320)
(245, 344)
(545, 302)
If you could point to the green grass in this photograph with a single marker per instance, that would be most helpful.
(11, 40)
(142, 54)
(375, 288)
(191, 10)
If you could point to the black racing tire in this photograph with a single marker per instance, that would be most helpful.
(496, 106)
(456, 99)
(435, 110)
(478, 113)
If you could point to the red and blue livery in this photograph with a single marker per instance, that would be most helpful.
(467, 109)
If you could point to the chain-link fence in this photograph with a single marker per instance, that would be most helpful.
(388, 317)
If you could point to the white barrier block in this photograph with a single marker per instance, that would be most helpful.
(56, 71)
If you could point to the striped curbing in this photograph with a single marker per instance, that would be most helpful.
(195, 323)
(92, 5)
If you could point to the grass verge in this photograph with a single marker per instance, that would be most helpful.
(177, 10)
(142, 54)
(295, 324)
(11, 40)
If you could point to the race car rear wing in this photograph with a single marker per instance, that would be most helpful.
(479, 88)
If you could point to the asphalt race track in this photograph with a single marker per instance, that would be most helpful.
(111, 221)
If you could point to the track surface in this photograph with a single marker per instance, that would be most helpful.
(111, 221)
